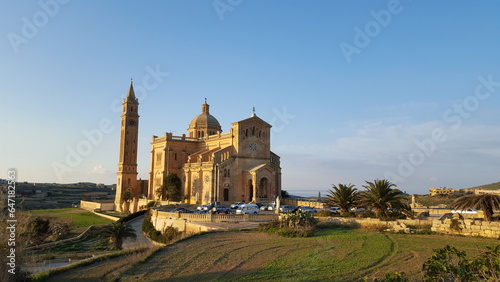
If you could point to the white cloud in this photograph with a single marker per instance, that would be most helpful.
(99, 170)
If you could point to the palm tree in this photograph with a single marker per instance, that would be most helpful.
(343, 196)
(117, 232)
(485, 202)
(380, 196)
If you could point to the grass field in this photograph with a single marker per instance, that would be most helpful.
(79, 219)
(332, 255)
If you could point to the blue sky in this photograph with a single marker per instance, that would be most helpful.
(355, 90)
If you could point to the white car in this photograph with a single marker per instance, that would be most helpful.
(468, 211)
(248, 208)
(334, 209)
(236, 205)
(307, 209)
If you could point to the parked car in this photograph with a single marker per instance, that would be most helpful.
(236, 205)
(223, 210)
(248, 208)
(264, 208)
(307, 209)
(182, 210)
(286, 208)
(334, 209)
(204, 207)
(355, 209)
(467, 211)
(271, 207)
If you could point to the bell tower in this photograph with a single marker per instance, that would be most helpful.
(126, 182)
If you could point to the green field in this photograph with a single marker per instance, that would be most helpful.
(331, 255)
(79, 219)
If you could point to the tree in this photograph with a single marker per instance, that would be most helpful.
(172, 187)
(485, 202)
(126, 198)
(380, 196)
(117, 232)
(284, 194)
(343, 196)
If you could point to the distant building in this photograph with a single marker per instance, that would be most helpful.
(213, 166)
(434, 191)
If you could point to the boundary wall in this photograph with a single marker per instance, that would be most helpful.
(187, 222)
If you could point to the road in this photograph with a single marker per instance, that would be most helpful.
(141, 241)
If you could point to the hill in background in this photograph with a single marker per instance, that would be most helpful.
(492, 186)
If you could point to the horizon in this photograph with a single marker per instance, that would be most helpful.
(356, 91)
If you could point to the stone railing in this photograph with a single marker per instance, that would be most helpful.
(194, 217)
(189, 222)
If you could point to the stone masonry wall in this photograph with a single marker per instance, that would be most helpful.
(467, 227)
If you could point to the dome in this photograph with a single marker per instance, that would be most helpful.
(204, 124)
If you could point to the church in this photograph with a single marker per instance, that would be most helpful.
(214, 166)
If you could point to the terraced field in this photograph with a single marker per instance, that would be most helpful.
(331, 255)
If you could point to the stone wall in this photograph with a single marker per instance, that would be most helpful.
(295, 203)
(97, 205)
(404, 225)
(188, 221)
(467, 227)
(441, 211)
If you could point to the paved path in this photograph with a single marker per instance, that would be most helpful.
(141, 241)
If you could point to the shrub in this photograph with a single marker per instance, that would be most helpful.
(368, 214)
(391, 216)
(451, 264)
(169, 234)
(326, 213)
(296, 224)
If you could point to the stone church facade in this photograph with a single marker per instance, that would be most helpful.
(214, 166)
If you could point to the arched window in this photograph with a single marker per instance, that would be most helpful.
(132, 109)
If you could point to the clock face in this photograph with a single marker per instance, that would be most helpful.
(253, 147)
(131, 122)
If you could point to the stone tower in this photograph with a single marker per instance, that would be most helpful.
(127, 164)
